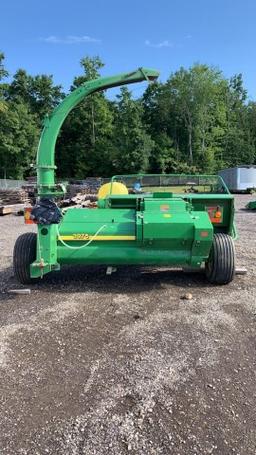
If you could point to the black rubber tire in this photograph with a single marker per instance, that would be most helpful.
(220, 268)
(24, 253)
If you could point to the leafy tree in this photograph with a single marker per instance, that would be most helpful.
(252, 126)
(3, 71)
(160, 123)
(91, 67)
(3, 75)
(198, 121)
(195, 95)
(38, 92)
(238, 145)
(132, 144)
(86, 139)
(18, 140)
(23, 104)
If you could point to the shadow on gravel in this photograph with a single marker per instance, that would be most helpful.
(7, 281)
(94, 279)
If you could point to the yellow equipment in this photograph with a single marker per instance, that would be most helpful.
(112, 188)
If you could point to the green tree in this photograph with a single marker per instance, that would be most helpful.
(239, 147)
(18, 132)
(197, 121)
(85, 143)
(3, 71)
(160, 123)
(251, 112)
(133, 145)
(197, 101)
(38, 93)
(3, 86)
(18, 140)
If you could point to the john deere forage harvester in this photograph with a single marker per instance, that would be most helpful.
(160, 220)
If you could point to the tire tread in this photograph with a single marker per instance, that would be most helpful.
(221, 267)
(24, 254)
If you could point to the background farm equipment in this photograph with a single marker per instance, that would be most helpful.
(251, 205)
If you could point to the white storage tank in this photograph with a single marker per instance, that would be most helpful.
(240, 178)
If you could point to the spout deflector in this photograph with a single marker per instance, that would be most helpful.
(52, 124)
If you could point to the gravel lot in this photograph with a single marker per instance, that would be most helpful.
(96, 364)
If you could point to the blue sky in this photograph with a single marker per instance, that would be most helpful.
(51, 36)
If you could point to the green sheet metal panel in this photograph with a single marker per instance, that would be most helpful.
(203, 202)
(123, 253)
(88, 221)
(167, 219)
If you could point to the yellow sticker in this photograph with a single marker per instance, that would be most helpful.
(167, 215)
(81, 237)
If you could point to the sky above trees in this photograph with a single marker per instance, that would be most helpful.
(52, 36)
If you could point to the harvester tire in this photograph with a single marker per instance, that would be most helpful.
(220, 268)
(24, 254)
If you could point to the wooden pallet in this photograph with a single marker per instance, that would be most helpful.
(11, 208)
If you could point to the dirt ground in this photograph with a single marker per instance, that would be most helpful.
(96, 364)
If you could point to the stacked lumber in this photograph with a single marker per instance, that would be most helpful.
(30, 189)
(73, 190)
(90, 185)
(13, 201)
(79, 200)
(81, 193)
(93, 184)
(17, 209)
(11, 197)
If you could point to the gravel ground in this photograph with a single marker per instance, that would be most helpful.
(96, 364)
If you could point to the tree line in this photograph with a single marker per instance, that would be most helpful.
(197, 121)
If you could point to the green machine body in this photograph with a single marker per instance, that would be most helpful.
(172, 220)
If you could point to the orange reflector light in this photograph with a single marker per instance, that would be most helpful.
(27, 213)
(204, 233)
(215, 214)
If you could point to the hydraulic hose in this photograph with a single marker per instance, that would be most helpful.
(85, 244)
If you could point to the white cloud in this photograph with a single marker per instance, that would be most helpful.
(69, 39)
(164, 43)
